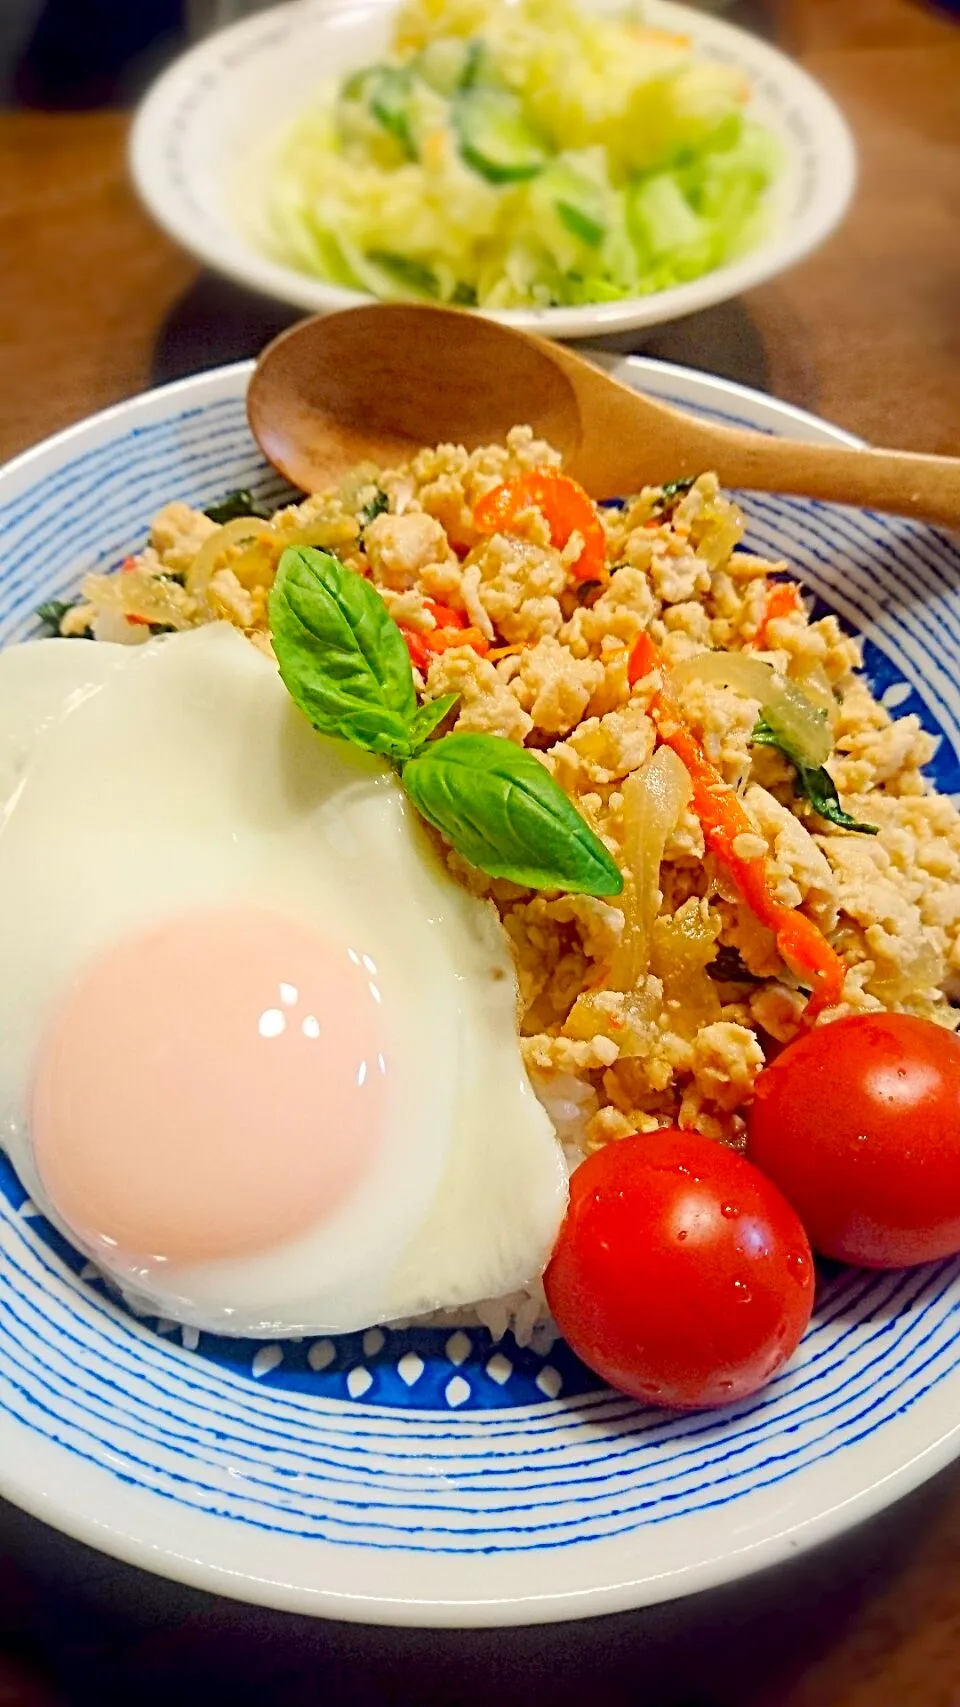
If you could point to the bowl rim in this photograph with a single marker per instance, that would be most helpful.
(168, 1547)
(237, 259)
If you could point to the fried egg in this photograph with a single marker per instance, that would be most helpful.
(258, 1051)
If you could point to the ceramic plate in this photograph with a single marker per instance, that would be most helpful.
(205, 130)
(434, 1478)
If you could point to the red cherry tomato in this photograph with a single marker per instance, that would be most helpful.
(680, 1274)
(858, 1123)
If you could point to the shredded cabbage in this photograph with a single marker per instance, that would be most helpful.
(512, 155)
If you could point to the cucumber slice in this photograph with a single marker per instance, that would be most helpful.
(481, 70)
(581, 224)
(579, 202)
(407, 275)
(386, 93)
(390, 103)
(495, 138)
(445, 64)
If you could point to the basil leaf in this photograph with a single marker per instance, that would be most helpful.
(502, 810)
(726, 967)
(53, 612)
(673, 490)
(763, 736)
(588, 592)
(814, 784)
(376, 506)
(342, 658)
(239, 503)
(427, 717)
(819, 788)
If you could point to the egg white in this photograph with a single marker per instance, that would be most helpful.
(137, 784)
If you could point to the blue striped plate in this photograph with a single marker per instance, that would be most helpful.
(430, 1477)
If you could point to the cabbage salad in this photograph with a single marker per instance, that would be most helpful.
(508, 155)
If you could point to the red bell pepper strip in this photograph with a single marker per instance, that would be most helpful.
(724, 818)
(783, 599)
(444, 615)
(566, 508)
(417, 647)
(452, 630)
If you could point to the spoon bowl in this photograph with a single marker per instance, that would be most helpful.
(377, 383)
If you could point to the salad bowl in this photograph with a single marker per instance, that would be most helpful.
(204, 139)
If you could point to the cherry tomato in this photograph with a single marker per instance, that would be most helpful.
(858, 1123)
(680, 1274)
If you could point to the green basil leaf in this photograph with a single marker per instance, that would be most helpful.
(671, 491)
(429, 716)
(502, 810)
(239, 503)
(726, 967)
(813, 784)
(341, 656)
(53, 612)
(377, 506)
(763, 736)
(819, 788)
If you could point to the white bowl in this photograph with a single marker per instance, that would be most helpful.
(209, 122)
(425, 1477)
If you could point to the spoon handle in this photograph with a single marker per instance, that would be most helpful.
(927, 487)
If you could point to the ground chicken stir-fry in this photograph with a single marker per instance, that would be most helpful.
(540, 654)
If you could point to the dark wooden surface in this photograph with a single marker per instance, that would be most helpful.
(97, 305)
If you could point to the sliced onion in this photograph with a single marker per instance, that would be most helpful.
(718, 531)
(257, 564)
(243, 529)
(147, 598)
(653, 799)
(260, 545)
(749, 676)
(681, 950)
(801, 727)
(815, 684)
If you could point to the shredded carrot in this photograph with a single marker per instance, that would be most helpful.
(441, 639)
(566, 508)
(433, 149)
(724, 818)
(509, 651)
(783, 598)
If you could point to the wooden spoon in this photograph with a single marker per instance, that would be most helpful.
(378, 383)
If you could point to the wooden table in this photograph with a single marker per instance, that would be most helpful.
(96, 305)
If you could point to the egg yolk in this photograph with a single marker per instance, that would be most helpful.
(211, 1087)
